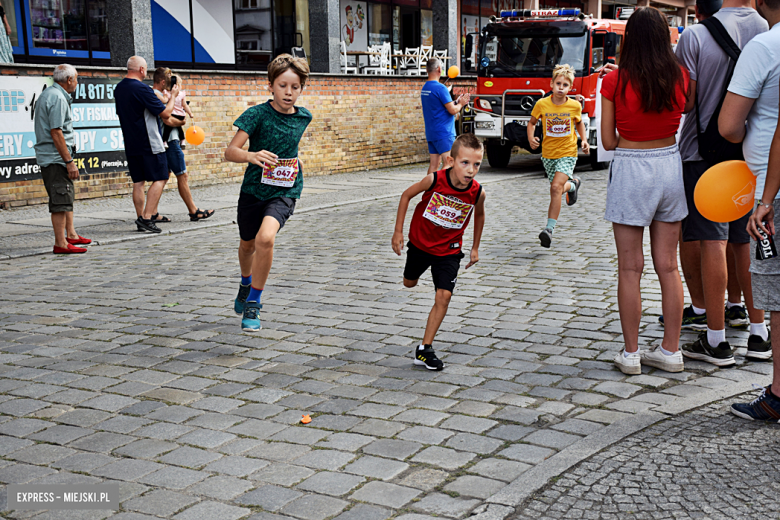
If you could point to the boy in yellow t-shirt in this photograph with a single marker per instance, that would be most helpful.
(559, 115)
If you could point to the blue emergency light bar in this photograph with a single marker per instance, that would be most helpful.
(527, 13)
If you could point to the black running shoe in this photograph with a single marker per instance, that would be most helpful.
(736, 317)
(721, 356)
(426, 357)
(571, 196)
(147, 225)
(545, 237)
(765, 408)
(240, 301)
(759, 349)
(690, 320)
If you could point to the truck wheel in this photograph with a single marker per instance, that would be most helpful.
(594, 160)
(498, 155)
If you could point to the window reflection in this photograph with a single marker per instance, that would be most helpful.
(253, 32)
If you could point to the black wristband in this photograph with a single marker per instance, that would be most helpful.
(68, 162)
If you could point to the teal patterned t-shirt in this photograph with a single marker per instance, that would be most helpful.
(278, 133)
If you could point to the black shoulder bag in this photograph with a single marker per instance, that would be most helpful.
(713, 148)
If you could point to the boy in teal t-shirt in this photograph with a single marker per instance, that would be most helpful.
(273, 180)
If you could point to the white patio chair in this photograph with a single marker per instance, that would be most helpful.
(380, 64)
(410, 63)
(345, 67)
(426, 52)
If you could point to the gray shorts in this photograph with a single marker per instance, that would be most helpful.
(59, 187)
(646, 185)
(766, 291)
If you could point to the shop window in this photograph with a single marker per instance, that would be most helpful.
(97, 18)
(58, 25)
(426, 27)
(302, 26)
(12, 16)
(380, 24)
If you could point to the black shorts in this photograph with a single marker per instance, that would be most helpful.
(252, 211)
(444, 269)
(695, 226)
(148, 168)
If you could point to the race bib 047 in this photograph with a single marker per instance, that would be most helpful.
(283, 174)
(447, 212)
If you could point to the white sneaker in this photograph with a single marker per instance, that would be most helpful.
(656, 358)
(630, 365)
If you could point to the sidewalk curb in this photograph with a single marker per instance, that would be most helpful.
(141, 236)
(525, 486)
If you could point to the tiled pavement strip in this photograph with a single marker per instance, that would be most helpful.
(127, 364)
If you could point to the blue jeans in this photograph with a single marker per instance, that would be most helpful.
(175, 157)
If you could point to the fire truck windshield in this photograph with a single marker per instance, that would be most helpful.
(529, 52)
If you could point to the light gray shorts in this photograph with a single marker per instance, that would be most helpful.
(646, 185)
(766, 291)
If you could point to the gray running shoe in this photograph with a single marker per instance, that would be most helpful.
(545, 237)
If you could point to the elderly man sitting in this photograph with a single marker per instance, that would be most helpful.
(54, 150)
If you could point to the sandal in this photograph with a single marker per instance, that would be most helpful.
(201, 215)
(161, 220)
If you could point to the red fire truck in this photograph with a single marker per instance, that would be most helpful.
(517, 54)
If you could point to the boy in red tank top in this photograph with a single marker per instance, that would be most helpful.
(450, 197)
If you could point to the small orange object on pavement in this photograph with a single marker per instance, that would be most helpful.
(306, 419)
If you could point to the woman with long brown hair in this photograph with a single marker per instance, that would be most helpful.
(644, 100)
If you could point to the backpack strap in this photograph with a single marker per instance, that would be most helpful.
(722, 37)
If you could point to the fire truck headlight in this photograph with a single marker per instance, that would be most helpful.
(484, 104)
(485, 125)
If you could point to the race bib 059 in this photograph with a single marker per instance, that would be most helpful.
(447, 212)
(283, 174)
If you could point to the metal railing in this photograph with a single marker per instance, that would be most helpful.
(503, 103)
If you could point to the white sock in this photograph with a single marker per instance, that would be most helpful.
(730, 305)
(698, 310)
(626, 353)
(759, 329)
(666, 352)
(716, 337)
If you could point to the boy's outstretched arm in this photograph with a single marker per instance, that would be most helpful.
(235, 152)
(403, 206)
(583, 137)
(479, 223)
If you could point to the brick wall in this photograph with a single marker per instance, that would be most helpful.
(359, 123)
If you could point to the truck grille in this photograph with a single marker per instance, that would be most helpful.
(516, 104)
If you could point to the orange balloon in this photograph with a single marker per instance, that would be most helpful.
(725, 192)
(195, 135)
(453, 72)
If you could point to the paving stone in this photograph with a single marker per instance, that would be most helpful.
(325, 459)
(425, 479)
(270, 498)
(444, 505)
(83, 462)
(282, 474)
(526, 453)
(468, 424)
(22, 473)
(578, 426)
(12, 444)
(384, 494)
(109, 403)
(102, 442)
(189, 457)
(257, 429)
(425, 435)
(221, 487)
(127, 469)
(315, 507)
(23, 427)
(82, 417)
(471, 486)
(212, 510)
(206, 438)
(623, 390)
(173, 478)
(236, 466)
(330, 483)
(60, 434)
(278, 451)
(443, 457)
(345, 441)
(298, 435)
(160, 502)
(393, 449)
(365, 512)
(375, 467)
(378, 428)
(40, 454)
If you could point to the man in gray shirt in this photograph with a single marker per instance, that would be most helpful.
(54, 149)
(704, 249)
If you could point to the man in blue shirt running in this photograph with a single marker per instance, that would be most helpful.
(439, 112)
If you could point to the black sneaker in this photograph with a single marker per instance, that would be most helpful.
(147, 225)
(721, 356)
(759, 349)
(764, 408)
(736, 317)
(571, 196)
(426, 357)
(690, 320)
(240, 301)
(545, 237)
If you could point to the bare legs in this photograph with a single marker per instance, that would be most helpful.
(558, 187)
(690, 259)
(663, 244)
(182, 183)
(742, 268)
(774, 321)
(59, 222)
(256, 256)
(437, 314)
(714, 275)
(152, 198)
(436, 161)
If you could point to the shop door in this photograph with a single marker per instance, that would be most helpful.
(285, 35)
(409, 28)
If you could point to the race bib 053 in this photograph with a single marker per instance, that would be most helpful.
(447, 212)
(283, 174)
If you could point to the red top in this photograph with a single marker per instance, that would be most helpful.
(442, 215)
(632, 121)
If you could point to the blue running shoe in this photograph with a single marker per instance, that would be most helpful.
(251, 320)
(240, 303)
(690, 320)
(766, 407)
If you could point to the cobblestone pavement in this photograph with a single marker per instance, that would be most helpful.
(127, 364)
(27, 231)
(704, 464)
